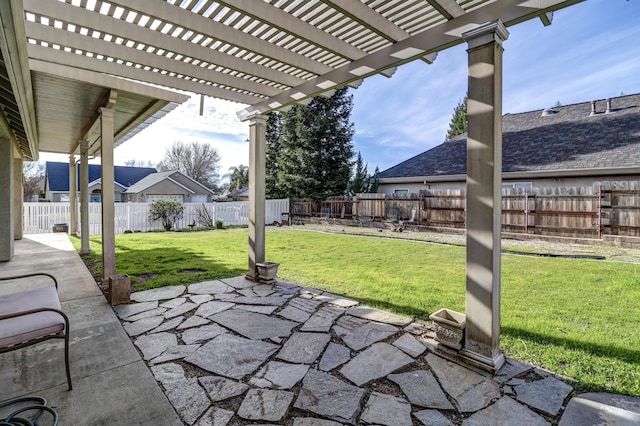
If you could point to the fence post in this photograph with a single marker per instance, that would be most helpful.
(600, 212)
(526, 211)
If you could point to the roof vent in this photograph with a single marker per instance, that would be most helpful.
(593, 109)
(547, 112)
(609, 110)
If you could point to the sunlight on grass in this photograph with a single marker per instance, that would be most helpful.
(575, 317)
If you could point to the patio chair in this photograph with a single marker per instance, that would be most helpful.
(32, 316)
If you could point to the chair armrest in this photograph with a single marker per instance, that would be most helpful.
(15, 277)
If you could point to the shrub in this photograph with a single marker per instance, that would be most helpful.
(166, 211)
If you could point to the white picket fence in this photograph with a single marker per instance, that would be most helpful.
(39, 218)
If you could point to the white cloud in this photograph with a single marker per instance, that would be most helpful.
(218, 126)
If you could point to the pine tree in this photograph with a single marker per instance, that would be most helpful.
(375, 180)
(459, 123)
(273, 136)
(361, 179)
(312, 157)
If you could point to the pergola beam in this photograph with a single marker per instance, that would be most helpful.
(369, 18)
(108, 25)
(434, 39)
(102, 66)
(76, 41)
(197, 23)
(282, 20)
(447, 8)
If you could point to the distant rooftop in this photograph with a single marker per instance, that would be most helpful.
(58, 175)
(565, 137)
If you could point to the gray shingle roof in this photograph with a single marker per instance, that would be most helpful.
(566, 139)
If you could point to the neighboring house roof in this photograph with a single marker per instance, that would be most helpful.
(99, 182)
(58, 175)
(240, 192)
(155, 178)
(563, 138)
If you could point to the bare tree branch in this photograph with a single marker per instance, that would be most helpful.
(199, 161)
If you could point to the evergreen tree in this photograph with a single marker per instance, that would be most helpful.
(273, 135)
(375, 180)
(311, 158)
(459, 123)
(361, 179)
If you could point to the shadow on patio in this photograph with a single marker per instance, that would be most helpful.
(111, 382)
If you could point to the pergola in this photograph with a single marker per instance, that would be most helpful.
(80, 77)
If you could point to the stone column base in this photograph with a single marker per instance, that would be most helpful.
(479, 361)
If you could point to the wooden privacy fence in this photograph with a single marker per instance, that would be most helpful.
(39, 218)
(572, 212)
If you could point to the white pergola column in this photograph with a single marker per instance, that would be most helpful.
(84, 198)
(73, 191)
(484, 181)
(108, 193)
(6, 199)
(18, 197)
(257, 160)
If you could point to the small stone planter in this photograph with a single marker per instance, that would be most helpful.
(267, 271)
(449, 327)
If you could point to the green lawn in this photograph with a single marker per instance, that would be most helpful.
(578, 318)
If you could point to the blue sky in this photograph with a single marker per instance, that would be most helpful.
(591, 51)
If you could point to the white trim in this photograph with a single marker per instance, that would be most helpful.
(601, 171)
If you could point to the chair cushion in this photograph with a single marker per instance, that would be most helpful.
(24, 328)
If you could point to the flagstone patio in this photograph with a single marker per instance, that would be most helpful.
(235, 352)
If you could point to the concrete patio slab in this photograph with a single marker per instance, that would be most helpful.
(595, 409)
(38, 367)
(128, 393)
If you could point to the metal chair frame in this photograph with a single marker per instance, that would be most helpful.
(64, 334)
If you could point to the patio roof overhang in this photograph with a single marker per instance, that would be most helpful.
(69, 57)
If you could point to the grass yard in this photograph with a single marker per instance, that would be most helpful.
(578, 318)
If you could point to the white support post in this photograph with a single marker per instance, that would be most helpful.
(484, 182)
(6, 199)
(18, 197)
(73, 194)
(108, 194)
(84, 197)
(257, 161)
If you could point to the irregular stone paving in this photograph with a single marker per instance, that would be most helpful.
(236, 352)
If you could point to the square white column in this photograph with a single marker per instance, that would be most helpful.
(18, 199)
(108, 194)
(73, 196)
(6, 199)
(484, 183)
(257, 161)
(84, 197)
